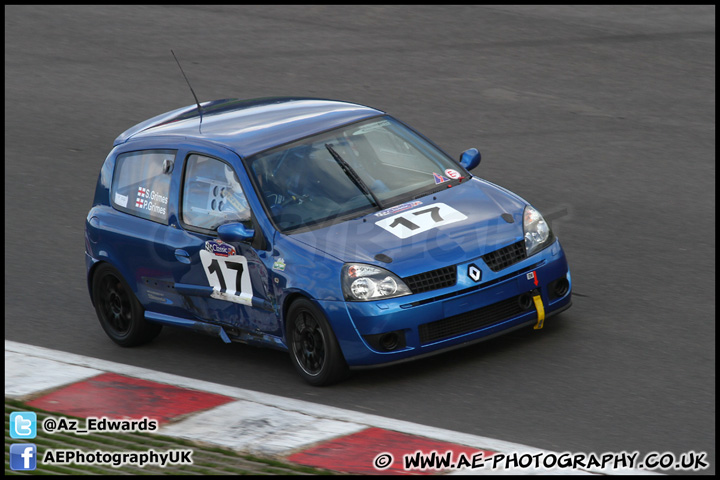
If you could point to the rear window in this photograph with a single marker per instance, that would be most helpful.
(141, 183)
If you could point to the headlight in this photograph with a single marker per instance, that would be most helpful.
(363, 282)
(537, 232)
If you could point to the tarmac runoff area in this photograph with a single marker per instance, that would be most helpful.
(229, 430)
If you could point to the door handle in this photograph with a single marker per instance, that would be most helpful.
(182, 256)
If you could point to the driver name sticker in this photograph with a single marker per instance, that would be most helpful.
(151, 201)
(228, 276)
(420, 220)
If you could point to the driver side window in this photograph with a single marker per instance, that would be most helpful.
(212, 194)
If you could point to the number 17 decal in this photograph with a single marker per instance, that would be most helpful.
(228, 276)
(420, 220)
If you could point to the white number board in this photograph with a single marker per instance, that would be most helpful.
(420, 220)
(228, 276)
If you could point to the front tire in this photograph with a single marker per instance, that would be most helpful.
(119, 311)
(314, 350)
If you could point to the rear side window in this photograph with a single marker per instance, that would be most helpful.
(141, 183)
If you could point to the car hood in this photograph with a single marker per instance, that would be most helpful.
(492, 220)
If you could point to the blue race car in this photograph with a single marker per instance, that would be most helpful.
(324, 228)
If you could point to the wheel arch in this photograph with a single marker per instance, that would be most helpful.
(304, 349)
(289, 299)
(92, 270)
(91, 276)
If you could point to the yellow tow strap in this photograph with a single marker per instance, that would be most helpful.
(540, 311)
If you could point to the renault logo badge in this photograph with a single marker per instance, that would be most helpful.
(474, 273)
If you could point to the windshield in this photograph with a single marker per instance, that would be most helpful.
(348, 172)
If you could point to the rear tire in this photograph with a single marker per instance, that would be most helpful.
(119, 311)
(314, 350)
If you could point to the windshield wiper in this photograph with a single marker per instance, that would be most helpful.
(352, 175)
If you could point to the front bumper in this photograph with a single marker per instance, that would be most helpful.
(388, 331)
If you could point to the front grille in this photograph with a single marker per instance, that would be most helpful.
(506, 256)
(432, 280)
(469, 321)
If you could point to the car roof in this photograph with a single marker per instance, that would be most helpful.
(251, 126)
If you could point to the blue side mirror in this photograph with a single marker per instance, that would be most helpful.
(470, 159)
(235, 232)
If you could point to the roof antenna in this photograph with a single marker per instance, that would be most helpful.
(191, 89)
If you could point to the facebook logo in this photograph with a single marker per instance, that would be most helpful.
(23, 456)
(23, 425)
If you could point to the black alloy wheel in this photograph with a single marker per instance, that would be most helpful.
(118, 310)
(313, 347)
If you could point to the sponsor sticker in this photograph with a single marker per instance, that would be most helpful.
(439, 178)
(398, 208)
(121, 200)
(219, 248)
(279, 264)
(452, 174)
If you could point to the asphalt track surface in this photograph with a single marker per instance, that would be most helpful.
(602, 117)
